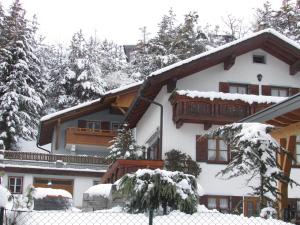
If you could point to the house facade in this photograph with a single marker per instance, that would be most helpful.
(79, 138)
(252, 73)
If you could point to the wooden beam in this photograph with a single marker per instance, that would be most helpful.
(295, 67)
(171, 85)
(284, 132)
(229, 62)
(57, 136)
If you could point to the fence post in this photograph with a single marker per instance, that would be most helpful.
(1, 216)
(150, 217)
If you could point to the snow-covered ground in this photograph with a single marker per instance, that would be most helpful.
(116, 216)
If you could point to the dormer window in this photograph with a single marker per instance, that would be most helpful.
(259, 59)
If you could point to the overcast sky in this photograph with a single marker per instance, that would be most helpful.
(120, 20)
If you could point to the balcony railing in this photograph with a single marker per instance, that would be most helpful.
(207, 112)
(123, 166)
(86, 136)
(32, 156)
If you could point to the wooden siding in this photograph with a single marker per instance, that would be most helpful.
(86, 136)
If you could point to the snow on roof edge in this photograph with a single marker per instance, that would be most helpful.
(214, 50)
(229, 96)
(113, 91)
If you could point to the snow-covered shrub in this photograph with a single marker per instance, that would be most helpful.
(124, 146)
(154, 189)
(268, 213)
(179, 161)
(5, 198)
(253, 152)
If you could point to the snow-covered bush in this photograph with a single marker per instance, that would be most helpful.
(253, 152)
(124, 146)
(154, 189)
(268, 213)
(179, 161)
(5, 198)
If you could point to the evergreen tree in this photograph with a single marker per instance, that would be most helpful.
(151, 189)
(254, 153)
(179, 161)
(20, 100)
(124, 146)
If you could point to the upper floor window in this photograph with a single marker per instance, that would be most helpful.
(259, 59)
(238, 88)
(279, 91)
(94, 125)
(15, 185)
(217, 150)
(116, 126)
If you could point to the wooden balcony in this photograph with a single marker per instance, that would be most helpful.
(123, 166)
(32, 156)
(86, 136)
(208, 112)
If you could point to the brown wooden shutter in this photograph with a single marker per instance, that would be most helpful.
(236, 204)
(203, 200)
(201, 148)
(293, 91)
(82, 123)
(266, 90)
(105, 125)
(224, 87)
(253, 89)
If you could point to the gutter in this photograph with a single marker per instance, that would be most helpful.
(38, 140)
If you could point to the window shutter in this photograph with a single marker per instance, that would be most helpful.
(236, 204)
(201, 148)
(293, 91)
(224, 87)
(266, 90)
(253, 89)
(203, 200)
(82, 123)
(105, 125)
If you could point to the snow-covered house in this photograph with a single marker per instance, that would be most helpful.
(178, 103)
(79, 137)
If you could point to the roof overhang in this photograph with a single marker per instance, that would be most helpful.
(269, 40)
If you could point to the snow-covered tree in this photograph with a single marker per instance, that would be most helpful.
(124, 146)
(179, 161)
(151, 189)
(253, 152)
(20, 85)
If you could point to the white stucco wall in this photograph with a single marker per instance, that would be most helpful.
(80, 184)
(275, 72)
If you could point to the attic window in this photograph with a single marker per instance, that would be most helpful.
(259, 59)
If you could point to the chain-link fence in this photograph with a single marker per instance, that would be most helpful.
(13, 217)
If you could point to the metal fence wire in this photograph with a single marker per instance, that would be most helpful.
(14, 217)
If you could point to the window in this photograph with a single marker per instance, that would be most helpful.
(279, 91)
(116, 126)
(15, 185)
(93, 125)
(217, 150)
(96, 182)
(297, 150)
(238, 88)
(219, 203)
(298, 208)
(259, 59)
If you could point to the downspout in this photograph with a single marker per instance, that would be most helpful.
(38, 138)
(161, 121)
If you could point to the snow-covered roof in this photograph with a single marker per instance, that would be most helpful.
(99, 190)
(229, 96)
(222, 47)
(82, 105)
(40, 193)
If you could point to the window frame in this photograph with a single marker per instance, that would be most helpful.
(217, 199)
(237, 85)
(218, 150)
(278, 89)
(259, 56)
(116, 123)
(94, 123)
(13, 191)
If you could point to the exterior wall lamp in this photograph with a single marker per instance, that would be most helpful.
(259, 77)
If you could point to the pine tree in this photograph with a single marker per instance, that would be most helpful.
(254, 153)
(151, 189)
(179, 161)
(20, 101)
(124, 146)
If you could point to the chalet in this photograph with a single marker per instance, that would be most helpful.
(79, 137)
(178, 103)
